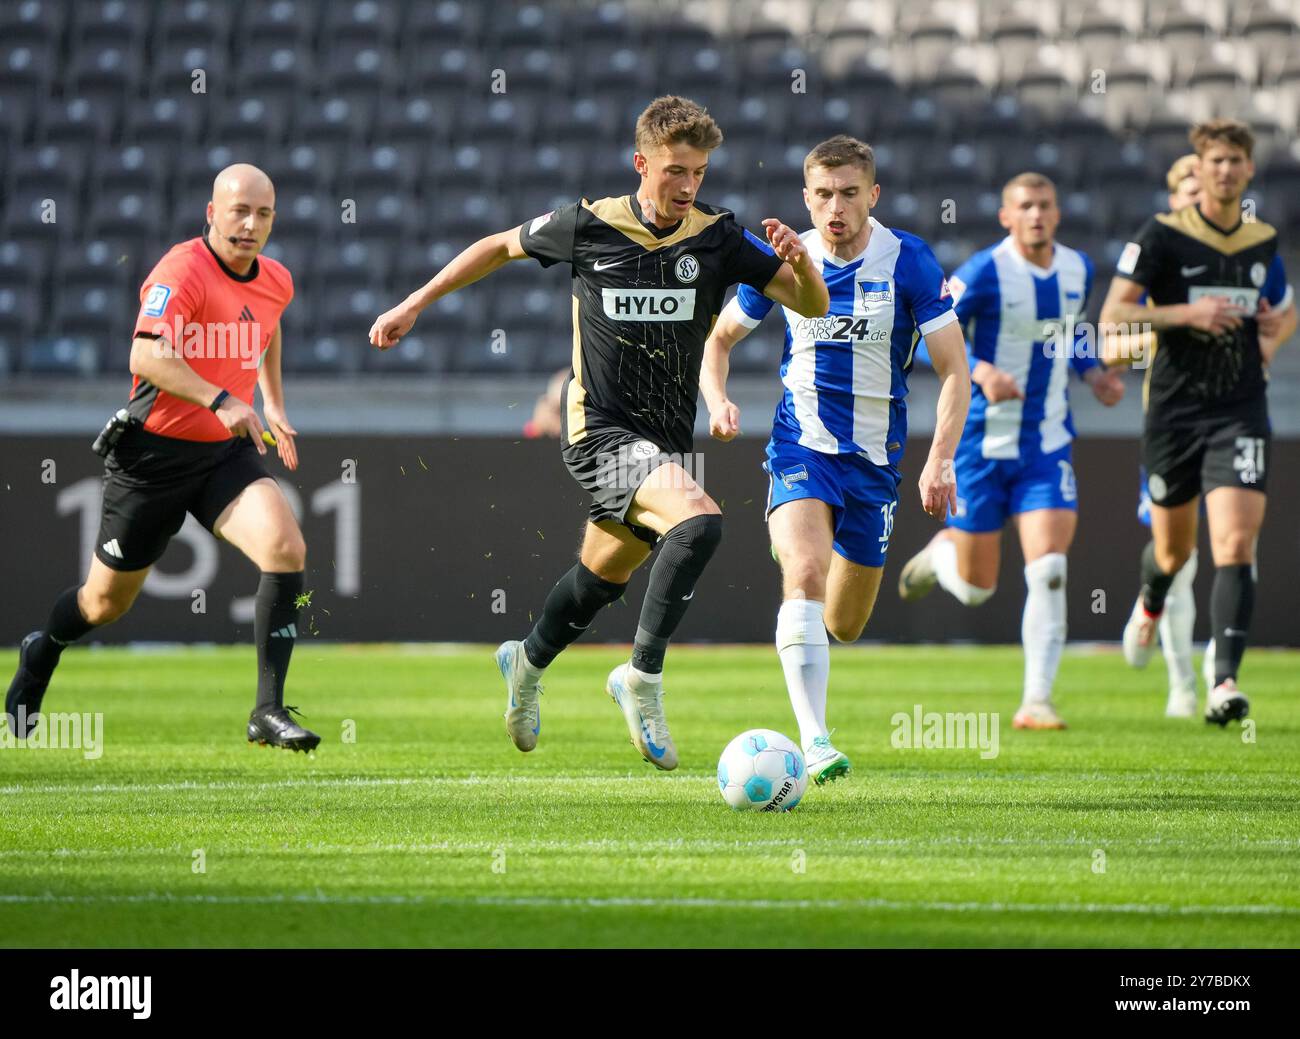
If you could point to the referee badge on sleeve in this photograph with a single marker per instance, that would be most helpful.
(1128, 259)
(156, 302)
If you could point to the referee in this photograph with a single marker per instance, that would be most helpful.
(207, 333)
(1216, 289)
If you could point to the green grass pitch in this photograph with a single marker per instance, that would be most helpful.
(430, 829)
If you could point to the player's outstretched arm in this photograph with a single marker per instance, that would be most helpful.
(938, 482)
(156, 361)
(724, 416)
(798, 284)
(478, 261)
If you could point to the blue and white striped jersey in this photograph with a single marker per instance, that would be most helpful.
(1021, 318)
(845, 374)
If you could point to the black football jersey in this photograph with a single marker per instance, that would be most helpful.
(1180, 257)
(644, 301)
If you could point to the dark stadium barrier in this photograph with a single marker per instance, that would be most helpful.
(459, 539)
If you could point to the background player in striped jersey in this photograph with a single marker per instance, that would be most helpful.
(193, 446)
(649, 274)
(1021, 299)
(1219, 292)
(840, 426)
(1179, 618)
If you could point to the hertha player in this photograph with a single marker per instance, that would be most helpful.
(208, 331)
(838, 435)
(1022, 300)
(649, 274)
(1217, 290)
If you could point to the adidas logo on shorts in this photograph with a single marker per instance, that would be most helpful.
(112, 548)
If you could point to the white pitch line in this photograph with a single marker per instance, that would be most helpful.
(593, 779)
(320, 898)
(811, 844)
(239, 784)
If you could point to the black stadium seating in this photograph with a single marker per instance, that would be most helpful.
(442, 120)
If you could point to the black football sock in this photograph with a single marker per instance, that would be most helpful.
(1232, 601)
(685, 552)
(1155, 582)
(568, 611)
(275, 629)
(65, 626)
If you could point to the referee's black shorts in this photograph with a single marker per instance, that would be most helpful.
(152, 481)
(1222, 447)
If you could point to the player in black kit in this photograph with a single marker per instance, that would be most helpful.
(1216, 287)
(649, 273)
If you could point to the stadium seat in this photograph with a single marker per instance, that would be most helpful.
(133, 168)
(447, 69)
(279, 23)
(615, 70)
(533, 70)
(474, 161)
(527, 25)
(36, 23)
(251, 126)
(20, 311)
(332, 125)
(193, 23)
(58, 169)
(98, 312)
(362, 21)
(25, 70)
(61, 355)
(124, 218)
(307, 214)
(23, 266)
(274, 70)
(451, 21)
(166, 123)
(360, 71)
(397, 167)
(93, 263)
(82, 123)
(121, 22)
(107, 73)
(301, 168)
(189, 72)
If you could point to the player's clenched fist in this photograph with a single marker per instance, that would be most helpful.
(390, 326)
(938, 486)
(724, 422)
(785, 242)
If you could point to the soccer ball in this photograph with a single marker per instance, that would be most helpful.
(762, 771)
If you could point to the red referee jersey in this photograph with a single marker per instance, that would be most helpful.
(219, 321)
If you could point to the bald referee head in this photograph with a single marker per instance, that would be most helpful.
(240, 215)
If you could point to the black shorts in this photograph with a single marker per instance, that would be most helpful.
(610, 463)
(1222, 448)
(151, 482)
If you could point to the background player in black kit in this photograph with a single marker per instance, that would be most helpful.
(1217, 287)
(650, 271)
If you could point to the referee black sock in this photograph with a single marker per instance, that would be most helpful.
(275, 629)
(65, 626)
(685, 552)
(1155, 582)
(568, 611)
(1232, 601)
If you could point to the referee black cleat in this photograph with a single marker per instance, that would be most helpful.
(23, 701)
(272, 727)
